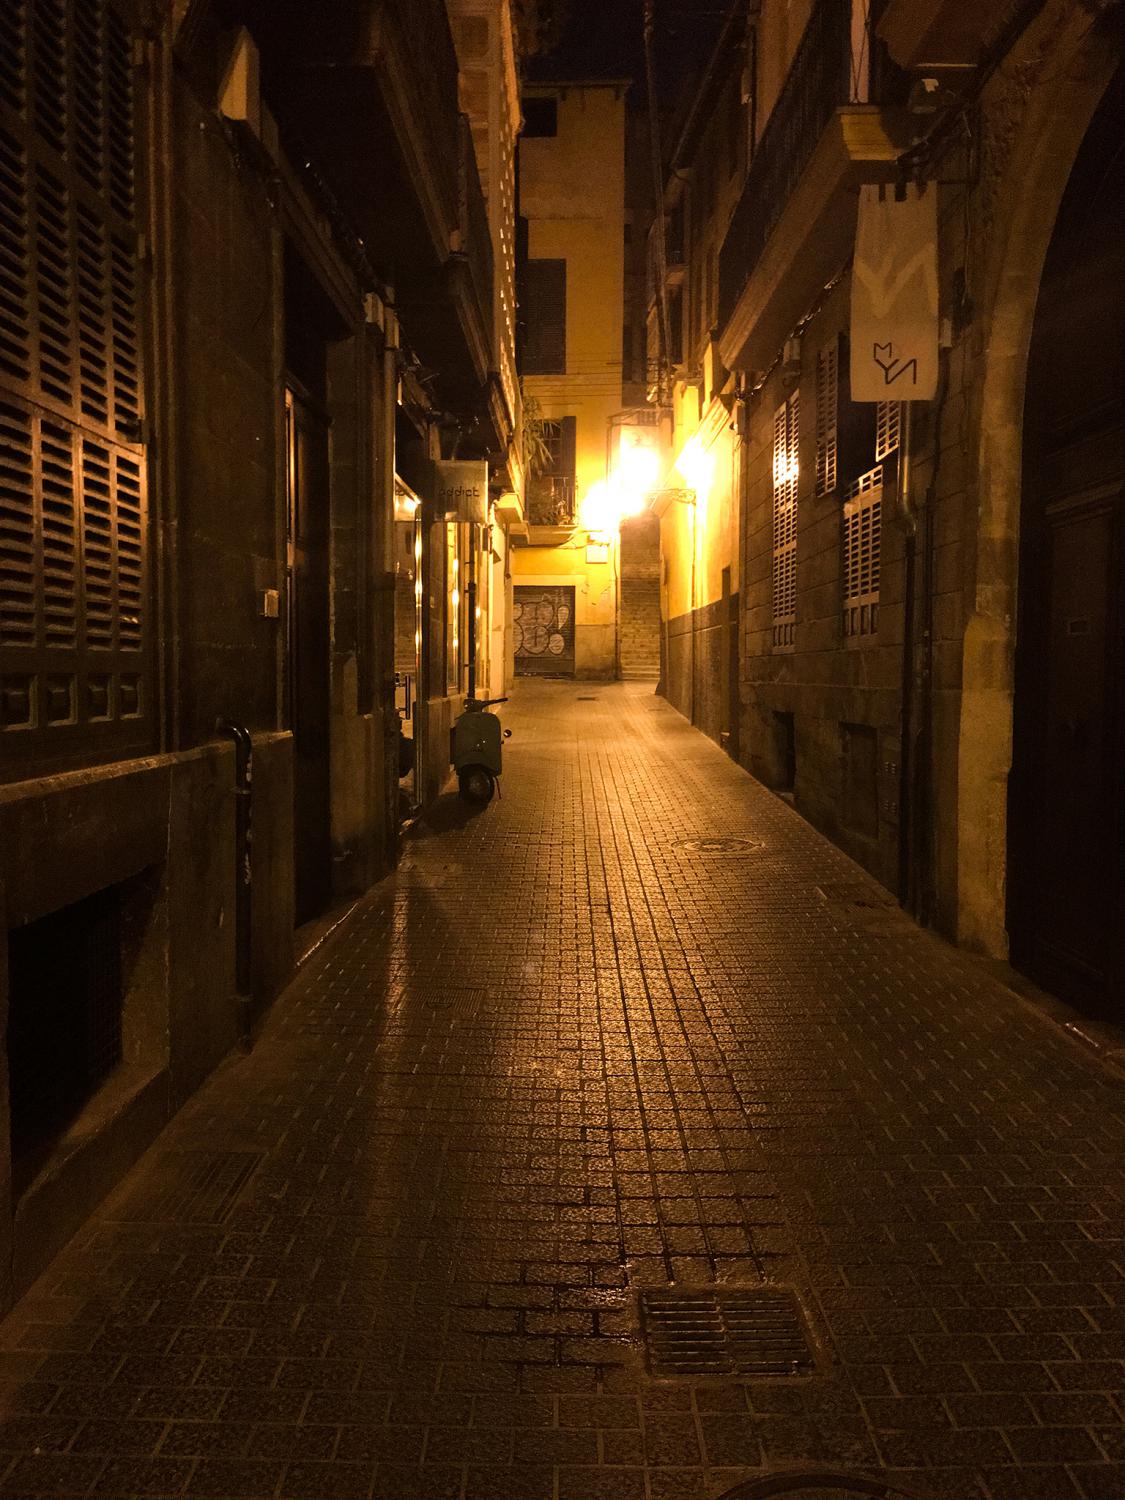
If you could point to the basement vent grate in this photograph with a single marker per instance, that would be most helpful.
(747, 1331)
(719, 844)
(193, 1187)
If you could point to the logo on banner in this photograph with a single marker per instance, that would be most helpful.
(894, 332)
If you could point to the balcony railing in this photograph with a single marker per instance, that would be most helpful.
(550, 500)
(818, 83)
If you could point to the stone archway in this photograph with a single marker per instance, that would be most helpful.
(1070, 68)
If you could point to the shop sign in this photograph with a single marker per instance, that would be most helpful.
(461, 490)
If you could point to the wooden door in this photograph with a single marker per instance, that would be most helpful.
(1067, 811)
(309, 653)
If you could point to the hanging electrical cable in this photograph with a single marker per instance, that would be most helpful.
(659, 228)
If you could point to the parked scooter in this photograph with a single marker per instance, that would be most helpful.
(477, 750)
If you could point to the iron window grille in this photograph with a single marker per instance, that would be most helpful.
(862, 525)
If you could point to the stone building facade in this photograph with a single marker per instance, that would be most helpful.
(930, 595)
(247, 297)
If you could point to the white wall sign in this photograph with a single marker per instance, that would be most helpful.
(894, 332)
(461, 489)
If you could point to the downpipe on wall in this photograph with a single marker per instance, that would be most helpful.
(243, 874)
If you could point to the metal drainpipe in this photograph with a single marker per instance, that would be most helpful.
(905, 759)
(243, 874)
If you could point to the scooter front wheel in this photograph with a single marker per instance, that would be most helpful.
(476, 785)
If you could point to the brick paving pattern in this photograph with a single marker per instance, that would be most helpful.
(560, 1057)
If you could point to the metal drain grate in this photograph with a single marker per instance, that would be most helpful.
(455, 998)
(750, 1331)
(731, 843)
(193, 1187)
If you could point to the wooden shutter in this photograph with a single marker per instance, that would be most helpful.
(888, 428)
(545, 315)
(74, 616)
(863, 511)
(786, 474)
(827, 408)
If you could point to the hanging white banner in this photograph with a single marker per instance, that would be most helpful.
(894, 333)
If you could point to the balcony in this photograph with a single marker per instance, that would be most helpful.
(447, 317)
(550, 500)
(937, 33)
(795, 222)
(371, 86)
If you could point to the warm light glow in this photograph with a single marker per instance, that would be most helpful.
(697, 464)
(598, 511)
(639, 470)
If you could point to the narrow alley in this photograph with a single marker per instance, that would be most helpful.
(634, 1023)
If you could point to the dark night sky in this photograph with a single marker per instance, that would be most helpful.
(604, 39)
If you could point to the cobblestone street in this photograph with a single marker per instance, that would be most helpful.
(563, 1056)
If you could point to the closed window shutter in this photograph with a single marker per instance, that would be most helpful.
(888, 428)
(786, 474)
(862, 536)
(545, 317)
(827, 416)
(75, 632)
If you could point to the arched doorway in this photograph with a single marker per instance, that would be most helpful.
(1066, 827)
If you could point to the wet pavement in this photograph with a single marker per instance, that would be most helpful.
(634, 1024)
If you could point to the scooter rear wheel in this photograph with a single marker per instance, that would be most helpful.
(476, 785)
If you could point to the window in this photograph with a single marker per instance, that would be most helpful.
(888, 426)
(551, 489)
(786, 472)
(862, 523)
(827, 408)
(545, 318)
(74, 627)
(540, 117)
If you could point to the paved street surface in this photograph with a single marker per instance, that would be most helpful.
(560, 1058)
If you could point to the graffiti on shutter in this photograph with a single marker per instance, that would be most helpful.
(543, 630)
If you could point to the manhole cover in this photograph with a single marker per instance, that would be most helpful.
(750, 1331)
(819, 1486)
(196, 1187)
(727, 843)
